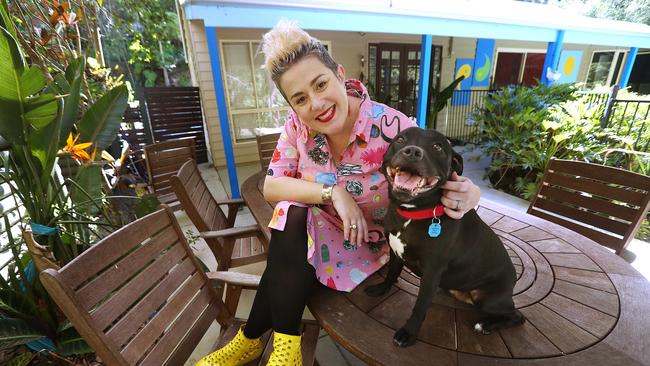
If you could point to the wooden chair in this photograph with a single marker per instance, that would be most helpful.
(265, 147)
(163, 160)
(231, 246)
(139, 296)
(603, 203)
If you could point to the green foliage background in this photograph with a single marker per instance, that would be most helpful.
(142, 37)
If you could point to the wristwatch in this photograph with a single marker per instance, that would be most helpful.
(326, 193)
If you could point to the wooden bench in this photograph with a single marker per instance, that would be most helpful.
(602, 203)
(140, 297)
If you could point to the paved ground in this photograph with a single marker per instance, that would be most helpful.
(329, 353)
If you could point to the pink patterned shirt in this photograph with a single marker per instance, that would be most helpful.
(303, 153)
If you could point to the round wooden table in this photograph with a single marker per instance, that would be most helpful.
(584, 305)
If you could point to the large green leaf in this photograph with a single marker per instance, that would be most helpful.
(40, 111)
(32, 81)
(440, 99)
(74, 76)
(60, 85)
(14, 332)
(5, 18)
(12, 66)
(45, 143)
(88, 187)
(101, 122)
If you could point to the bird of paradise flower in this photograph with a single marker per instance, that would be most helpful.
(78, 151)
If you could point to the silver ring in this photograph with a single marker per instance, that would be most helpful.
(353, 226)
(457, 204)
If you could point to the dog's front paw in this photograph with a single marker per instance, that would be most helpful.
(376, 290)
(403, 338)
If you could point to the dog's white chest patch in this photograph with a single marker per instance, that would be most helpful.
(396, 244)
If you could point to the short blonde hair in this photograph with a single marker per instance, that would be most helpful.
(286, 44)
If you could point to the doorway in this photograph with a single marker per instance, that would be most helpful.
(394, 74)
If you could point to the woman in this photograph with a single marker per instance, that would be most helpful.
(332, 197)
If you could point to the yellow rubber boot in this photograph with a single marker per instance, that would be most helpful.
(286, 350)
(239, 351)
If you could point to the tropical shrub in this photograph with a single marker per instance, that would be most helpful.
(523, 128)
(517, 131)
(49, 117)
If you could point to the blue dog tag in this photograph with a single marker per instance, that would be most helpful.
(434, 229)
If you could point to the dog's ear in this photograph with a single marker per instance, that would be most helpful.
(457, 162)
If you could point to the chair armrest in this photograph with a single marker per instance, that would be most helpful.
(235, 278)
(234, 201)
(234, 232)
(233, 207)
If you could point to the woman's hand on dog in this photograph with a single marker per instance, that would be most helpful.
(351, 215)
(459, 195)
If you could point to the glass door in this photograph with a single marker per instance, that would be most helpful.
(396, 72)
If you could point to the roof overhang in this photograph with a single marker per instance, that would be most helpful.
(498, 19)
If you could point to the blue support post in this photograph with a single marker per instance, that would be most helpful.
(547, 61)
(423, 91)
(553, 56)
(627, 69)
(559, 42)
(215, 61)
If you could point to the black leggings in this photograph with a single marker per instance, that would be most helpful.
(287, 281)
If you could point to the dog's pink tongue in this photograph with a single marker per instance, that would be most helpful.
(406, 180)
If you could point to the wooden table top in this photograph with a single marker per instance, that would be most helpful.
(584, 304)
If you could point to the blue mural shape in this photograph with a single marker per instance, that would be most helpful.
(569, 66)
(464, 67)
(483, 62)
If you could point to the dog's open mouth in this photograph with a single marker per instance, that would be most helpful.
(410, 182)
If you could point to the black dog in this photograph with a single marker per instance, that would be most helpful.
(464, 257)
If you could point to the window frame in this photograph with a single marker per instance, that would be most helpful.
(612, 68)
(233, 112)
(525, 52)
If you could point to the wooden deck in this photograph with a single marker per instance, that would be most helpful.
(584, 305)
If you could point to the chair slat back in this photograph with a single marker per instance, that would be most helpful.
(266, 146)
(163, 160)
(139, 296)
(603, 203)
(196, 199)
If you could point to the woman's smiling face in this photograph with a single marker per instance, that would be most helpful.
(317, 95)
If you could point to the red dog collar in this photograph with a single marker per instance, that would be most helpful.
(428, 213)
